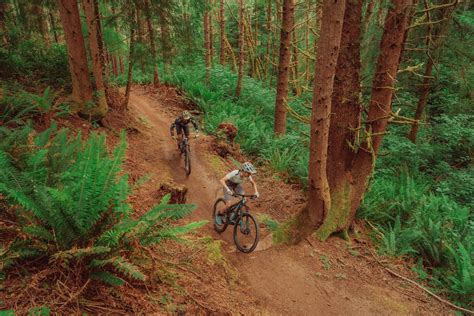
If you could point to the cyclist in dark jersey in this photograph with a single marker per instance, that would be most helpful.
(181, 125)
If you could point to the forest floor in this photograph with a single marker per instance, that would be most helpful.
(330, 278)
(207, 274)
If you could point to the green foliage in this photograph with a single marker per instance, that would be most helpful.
(18, 106)
(69, 199)
(411, 220)
(34, 61)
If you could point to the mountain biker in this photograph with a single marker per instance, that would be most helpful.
(181, 124)
(232, 183)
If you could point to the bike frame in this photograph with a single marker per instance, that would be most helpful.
(237, 207)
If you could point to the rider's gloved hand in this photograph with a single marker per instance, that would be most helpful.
(230, 192)
(257, 194)
(174, 137)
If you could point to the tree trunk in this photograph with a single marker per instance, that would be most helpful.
(165, 35)
(115, 67)
(425, 91)
(3, 26)
(81, 84)
(381, 99)
(222, 33)
(92, 29)
(345, 115)
(295, 68)
(53, 25)
(241, 49)
(42, 26)
(283, 66)
(211, 32)
(151, 38)
(130, 62)
(102, 54)
(207, 45)
(121, 64)
(319, 201)
(434, 39)
(94, 46)
(269, 39)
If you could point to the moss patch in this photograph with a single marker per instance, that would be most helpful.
(338, 215)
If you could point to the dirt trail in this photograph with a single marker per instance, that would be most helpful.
(300, 280)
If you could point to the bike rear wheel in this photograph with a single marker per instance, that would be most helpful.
(246, 233)
(187, 161)
(220, 205)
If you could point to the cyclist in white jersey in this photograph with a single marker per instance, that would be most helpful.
(232, 182)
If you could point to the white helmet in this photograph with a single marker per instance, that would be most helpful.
(248, 167)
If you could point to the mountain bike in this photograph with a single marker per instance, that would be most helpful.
(185, 149)
(246, 231)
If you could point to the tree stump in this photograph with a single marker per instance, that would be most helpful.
(178, 191)
(224, 143)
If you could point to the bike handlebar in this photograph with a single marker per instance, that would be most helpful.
(252, 196)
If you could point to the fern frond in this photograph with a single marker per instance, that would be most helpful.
(78, 253)
(107, 277)
(121, 265)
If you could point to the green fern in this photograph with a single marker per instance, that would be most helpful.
(71, 205)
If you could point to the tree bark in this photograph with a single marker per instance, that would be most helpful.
(222, 32)
(207, 44)
(42, 26)
(241, 49)
(345, 118)
(269, 39)
(166, 46)
(434, 39)
(53, 25)
(283, 66)
(211, 32)
(3, 26)
(151, 38)
(130, 61)
(81, 84)
(423, 100)
(319, 201)
(121, 64)
(380, 104)
(95, 52)
(115, 67)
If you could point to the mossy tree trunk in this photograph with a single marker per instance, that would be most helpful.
(380, 104)
(319, 200)
(339, 179)
(345, 116)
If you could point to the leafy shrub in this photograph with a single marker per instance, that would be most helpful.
(411, 220)
(32, 59)
(69, 202)
(18, 106)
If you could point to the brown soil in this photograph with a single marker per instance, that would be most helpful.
(331, 278)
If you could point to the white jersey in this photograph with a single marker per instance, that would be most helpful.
(235, 178)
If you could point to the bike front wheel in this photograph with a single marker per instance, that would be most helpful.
(220, 221)
(246, 233)
(187, 161)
